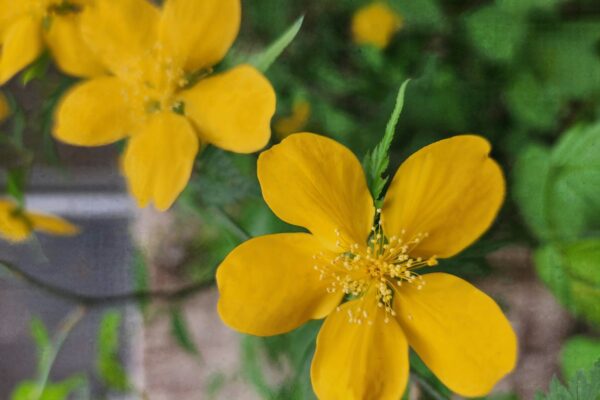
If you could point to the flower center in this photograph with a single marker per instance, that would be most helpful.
(383, 265)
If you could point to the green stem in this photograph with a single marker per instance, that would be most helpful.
(430, 390)
(66, 326)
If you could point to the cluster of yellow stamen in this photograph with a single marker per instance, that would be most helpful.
(383, 265)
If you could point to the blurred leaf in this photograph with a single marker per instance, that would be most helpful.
(533, 104)
(43, 342)
(579, 353)
(421, 14)
(109, 368)
(376, 162)
(525, 6)
(37, 70)
(584, 386)
(252, 367)
(556, 190)
(566, 57)
(496, 34)
(28, 390)
(15, 184)
(141, 279)
(263, 60)
(181, 333)
(219, 181)
(572, 272)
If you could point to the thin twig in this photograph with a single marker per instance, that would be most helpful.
(105, 300)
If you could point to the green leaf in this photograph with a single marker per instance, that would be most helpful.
(15, 184)
(43, 342)
(584, 386)
(181, 333)
(425, 14)
(109, 368)
(526, 6)
(37, 70)
(572, 272)
(579, 353)
(28, 390)
(141, 279)
(376, 162)
(263, 60)
(566, 57)
(556, 189)
(496, 34)
(533, 104)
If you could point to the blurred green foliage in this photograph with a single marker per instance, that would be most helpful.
(584, 385)
(523, 73)
(108, 364)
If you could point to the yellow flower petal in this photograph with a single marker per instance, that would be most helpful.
(268, 285)
(4, 108)
(375, 24)
(450, 190)
(94, 113)
(458, 331)
(159, 159)
(199, 33)
(68, 49)
(20, 44)
(314, 182)
(121, 33)
(232, 110)
(51, 224)
(360, 361)
(12, 228)
(18, 227)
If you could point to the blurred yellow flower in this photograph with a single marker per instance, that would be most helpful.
(27, 26)
(17, 225)
(375, 24)
(295, 122)
(159, 92)
(441, 200)
(4, 108)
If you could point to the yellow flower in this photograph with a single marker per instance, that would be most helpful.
(27, 26)
(295, 122)
(375, 24)
(441, 200)
(17, 225)
(4, 108)
(160, 93)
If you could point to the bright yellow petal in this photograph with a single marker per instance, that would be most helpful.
(375, 24)
(12, 227)
(68, 49)
(199, 33)
(268, 285)
(52, 225)
(94, 113)
(450, 190)
(11, 11)
(458, 331)
(314, 182)
(122, 33)
(4, 108)
(360, 361)
(232, 110)
(159, 159)
(20, 44)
